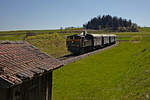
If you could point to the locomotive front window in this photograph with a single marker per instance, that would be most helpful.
(74, 41)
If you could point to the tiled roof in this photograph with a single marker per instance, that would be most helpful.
(21, 60)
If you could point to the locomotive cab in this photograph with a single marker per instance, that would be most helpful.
(73, 40)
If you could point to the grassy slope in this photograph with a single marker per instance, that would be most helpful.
(119, 73)
(53, 44)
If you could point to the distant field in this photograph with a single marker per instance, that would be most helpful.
(42, 31)
(12, 38)
(13, 34)
(24, 31)
(145, 29)
(20, 35)
(120, 73)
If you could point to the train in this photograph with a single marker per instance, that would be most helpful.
(86, 42)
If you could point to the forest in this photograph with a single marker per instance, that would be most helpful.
(111, 23)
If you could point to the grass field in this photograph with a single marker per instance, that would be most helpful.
(120, 73)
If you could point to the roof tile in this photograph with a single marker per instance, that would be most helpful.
(21, 60)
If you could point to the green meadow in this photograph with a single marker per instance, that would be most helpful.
(120, 73)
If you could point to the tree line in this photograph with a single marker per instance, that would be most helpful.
(107, 22)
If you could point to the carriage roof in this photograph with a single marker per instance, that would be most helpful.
(100, 35)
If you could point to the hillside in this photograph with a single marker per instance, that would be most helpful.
(53, 44)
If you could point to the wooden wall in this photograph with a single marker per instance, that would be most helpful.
(39, 88)
(4, 94)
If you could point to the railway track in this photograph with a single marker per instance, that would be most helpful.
(72, 58)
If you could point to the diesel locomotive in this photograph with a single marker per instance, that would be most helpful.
(78, 44)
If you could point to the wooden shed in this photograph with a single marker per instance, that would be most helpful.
(25, 72)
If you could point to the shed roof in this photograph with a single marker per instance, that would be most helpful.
(21, 60)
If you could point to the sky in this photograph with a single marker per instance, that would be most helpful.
(53, 14)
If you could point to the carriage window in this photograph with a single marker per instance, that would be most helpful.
(76, 37)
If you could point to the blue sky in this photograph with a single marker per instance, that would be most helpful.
(53, 14)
